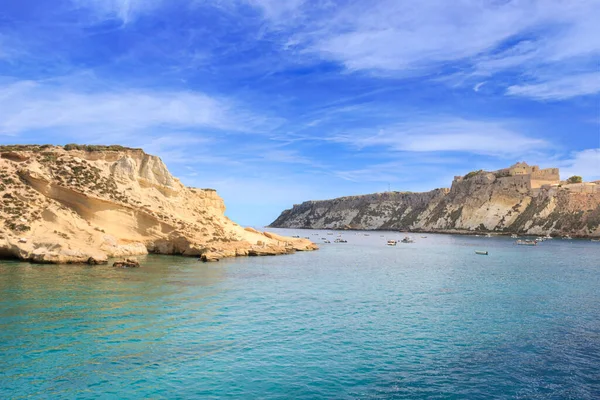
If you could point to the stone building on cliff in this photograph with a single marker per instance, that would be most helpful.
(535, 177)
(520, 176)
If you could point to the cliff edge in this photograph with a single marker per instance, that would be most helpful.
(85, 204)
(520, 199)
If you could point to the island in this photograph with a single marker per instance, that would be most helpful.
(521, 199)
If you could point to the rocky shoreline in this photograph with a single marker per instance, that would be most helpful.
(86, 204)
(479, 203)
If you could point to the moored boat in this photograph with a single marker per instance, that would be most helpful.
(391, 242)
(407, 239)
(481, 252)
(526, 242)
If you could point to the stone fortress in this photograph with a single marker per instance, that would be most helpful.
(531, 179)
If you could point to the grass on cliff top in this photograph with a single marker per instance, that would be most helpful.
(36, 148)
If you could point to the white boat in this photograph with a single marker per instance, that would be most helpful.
(514, 236)
(567, 237)
(594, 240)
(391, 242)
(488, 235)
(407, 239)
(548, 237)
(526, 242)
(338, 240)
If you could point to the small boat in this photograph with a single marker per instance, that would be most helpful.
(514, 236)
(330, 233)
(423, 237)
(567, 237)
(366, 234)
(340, 241)
(526, 242)
(326, 241)
(488, 235)
(548, 237)
(407, 239)
(594, 240)
(391, 242)
(481, 252)
(540, 239)
(296, 236)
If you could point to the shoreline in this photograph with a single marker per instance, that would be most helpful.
(461, 232)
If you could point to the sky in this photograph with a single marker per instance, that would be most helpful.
(275, 102)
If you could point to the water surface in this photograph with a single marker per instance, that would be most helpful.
(358, 320)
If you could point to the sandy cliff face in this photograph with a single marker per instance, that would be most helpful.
(87, 204)
(483, 203)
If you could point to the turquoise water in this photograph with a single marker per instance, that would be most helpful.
(356, 320)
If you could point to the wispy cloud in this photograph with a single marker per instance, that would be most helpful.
(29, 105)
(123, 10)
(447, 135)
(407, 38)
(559, 89)
(585, 163)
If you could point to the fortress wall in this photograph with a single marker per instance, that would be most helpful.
(539, 182)
(582, 188)
(548, 174)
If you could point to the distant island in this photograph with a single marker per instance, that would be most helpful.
(85, 204)
(521, 199)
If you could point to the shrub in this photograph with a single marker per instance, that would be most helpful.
(575, 179)
(472, 174)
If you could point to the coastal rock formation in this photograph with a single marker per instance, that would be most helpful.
(127, 263)
(85, 204)
(519, 199)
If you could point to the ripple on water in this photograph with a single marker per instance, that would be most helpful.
(359, 320)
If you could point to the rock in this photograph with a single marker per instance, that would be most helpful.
(533, 203)
(210, 256)
(96, 261)
(86, 204)
(127, 263)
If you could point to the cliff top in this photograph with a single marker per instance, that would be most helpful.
(36, 148)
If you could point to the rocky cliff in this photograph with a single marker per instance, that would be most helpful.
(88, 203)
(479, 202)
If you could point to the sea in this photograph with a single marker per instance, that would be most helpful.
(358, 320)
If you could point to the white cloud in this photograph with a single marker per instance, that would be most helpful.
(478, 86)
(549, 39)
(585, 163)
(559, 89)
(123, 10)
(29, 106)
(447, 135)
(277, 10)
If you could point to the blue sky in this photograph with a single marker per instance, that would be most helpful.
(275, 102)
